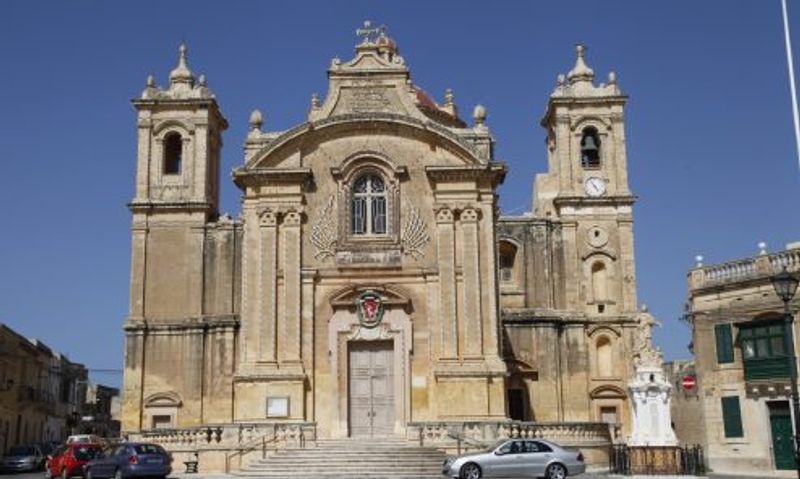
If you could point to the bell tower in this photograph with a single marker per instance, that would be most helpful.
(179, 130)
(586, 191)
(177, 193)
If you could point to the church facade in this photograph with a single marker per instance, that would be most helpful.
(369, 286)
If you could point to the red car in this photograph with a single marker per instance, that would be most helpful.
(68, 461)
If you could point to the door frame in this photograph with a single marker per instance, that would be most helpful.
(345, 327)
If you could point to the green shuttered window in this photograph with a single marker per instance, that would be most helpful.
(732, 416)
(724, 343)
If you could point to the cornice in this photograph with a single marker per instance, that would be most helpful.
(494, 170)
(616, 200)
(355, 118)
(258, 176)
(195, 324)
(153, 206)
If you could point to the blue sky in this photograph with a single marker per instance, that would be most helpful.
(710, 142)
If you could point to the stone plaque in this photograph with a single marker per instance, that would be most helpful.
(278, 406)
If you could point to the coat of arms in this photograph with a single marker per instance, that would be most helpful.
(370, 309)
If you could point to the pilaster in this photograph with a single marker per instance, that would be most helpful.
(138, 268)
(471, 253)
(267, 291)
(445, 240)
(289, 329)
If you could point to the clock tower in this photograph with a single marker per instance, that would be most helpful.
(586, 191)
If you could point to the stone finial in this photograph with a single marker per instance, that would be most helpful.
(612, 78)
(256, 120)
(449, 98)
(151, 82)
(561, 79)
(181, 73)
(450, 103)
(315, 103)
(698, 261)
(479, 115)
(643, 307)
(202, 80)
(580, 72)
(762, 248)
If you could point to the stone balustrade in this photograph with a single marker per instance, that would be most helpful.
(757, 267)
(229, 436)
(471, 435)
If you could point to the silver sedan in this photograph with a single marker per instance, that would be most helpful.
(517, 458)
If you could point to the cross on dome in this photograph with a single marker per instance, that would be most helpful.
(368, 32)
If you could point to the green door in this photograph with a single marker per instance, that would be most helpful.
(781, 425)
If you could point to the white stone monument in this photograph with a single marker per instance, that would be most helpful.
(650, 391)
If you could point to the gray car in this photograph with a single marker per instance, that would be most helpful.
(517, 458)
(25, 458)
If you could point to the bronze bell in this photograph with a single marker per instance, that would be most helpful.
(589, 144)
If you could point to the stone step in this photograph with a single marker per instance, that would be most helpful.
(387, 458)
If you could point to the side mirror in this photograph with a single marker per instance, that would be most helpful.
(498, 453)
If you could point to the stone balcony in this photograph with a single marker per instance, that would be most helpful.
(755, 269)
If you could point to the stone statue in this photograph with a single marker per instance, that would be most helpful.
(650, 391)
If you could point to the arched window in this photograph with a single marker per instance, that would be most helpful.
(173, 154)
(507, 253)
(590, 148)
(604, 357)
(599, 282)
(368, 206)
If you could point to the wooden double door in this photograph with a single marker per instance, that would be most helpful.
(371, 388)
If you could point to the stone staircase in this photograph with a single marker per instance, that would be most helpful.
(378, 458)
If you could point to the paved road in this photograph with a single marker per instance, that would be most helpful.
(26, 475)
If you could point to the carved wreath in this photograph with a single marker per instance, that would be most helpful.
(413, 235)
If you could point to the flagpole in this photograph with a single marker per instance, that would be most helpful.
(791, 78)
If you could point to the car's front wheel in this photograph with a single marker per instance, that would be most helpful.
(556, 471)
(470, 470)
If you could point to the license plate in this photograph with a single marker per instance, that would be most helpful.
(154, 461)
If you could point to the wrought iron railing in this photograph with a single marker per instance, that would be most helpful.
(657, 460)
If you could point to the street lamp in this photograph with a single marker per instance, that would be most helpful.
(785, 284)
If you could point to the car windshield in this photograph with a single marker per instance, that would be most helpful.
(148, 449)
(85, 453)
(22, 451)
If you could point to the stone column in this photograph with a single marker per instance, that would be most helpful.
(289, 326)
(268, 223)
(448, 321)
(470, 250)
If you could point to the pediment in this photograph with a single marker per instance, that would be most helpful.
(392, 295)
(285, 150)
(163, 399)
(607, 391)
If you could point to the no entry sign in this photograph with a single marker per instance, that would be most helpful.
(689, 382)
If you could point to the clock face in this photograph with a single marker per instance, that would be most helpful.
(595, 186)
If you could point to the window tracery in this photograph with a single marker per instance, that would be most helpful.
(368, 205)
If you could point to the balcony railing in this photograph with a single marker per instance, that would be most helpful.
(762, 266)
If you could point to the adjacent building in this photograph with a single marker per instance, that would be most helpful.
(685, 404)
(369, 286)
(41, 391)
(742, 363)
